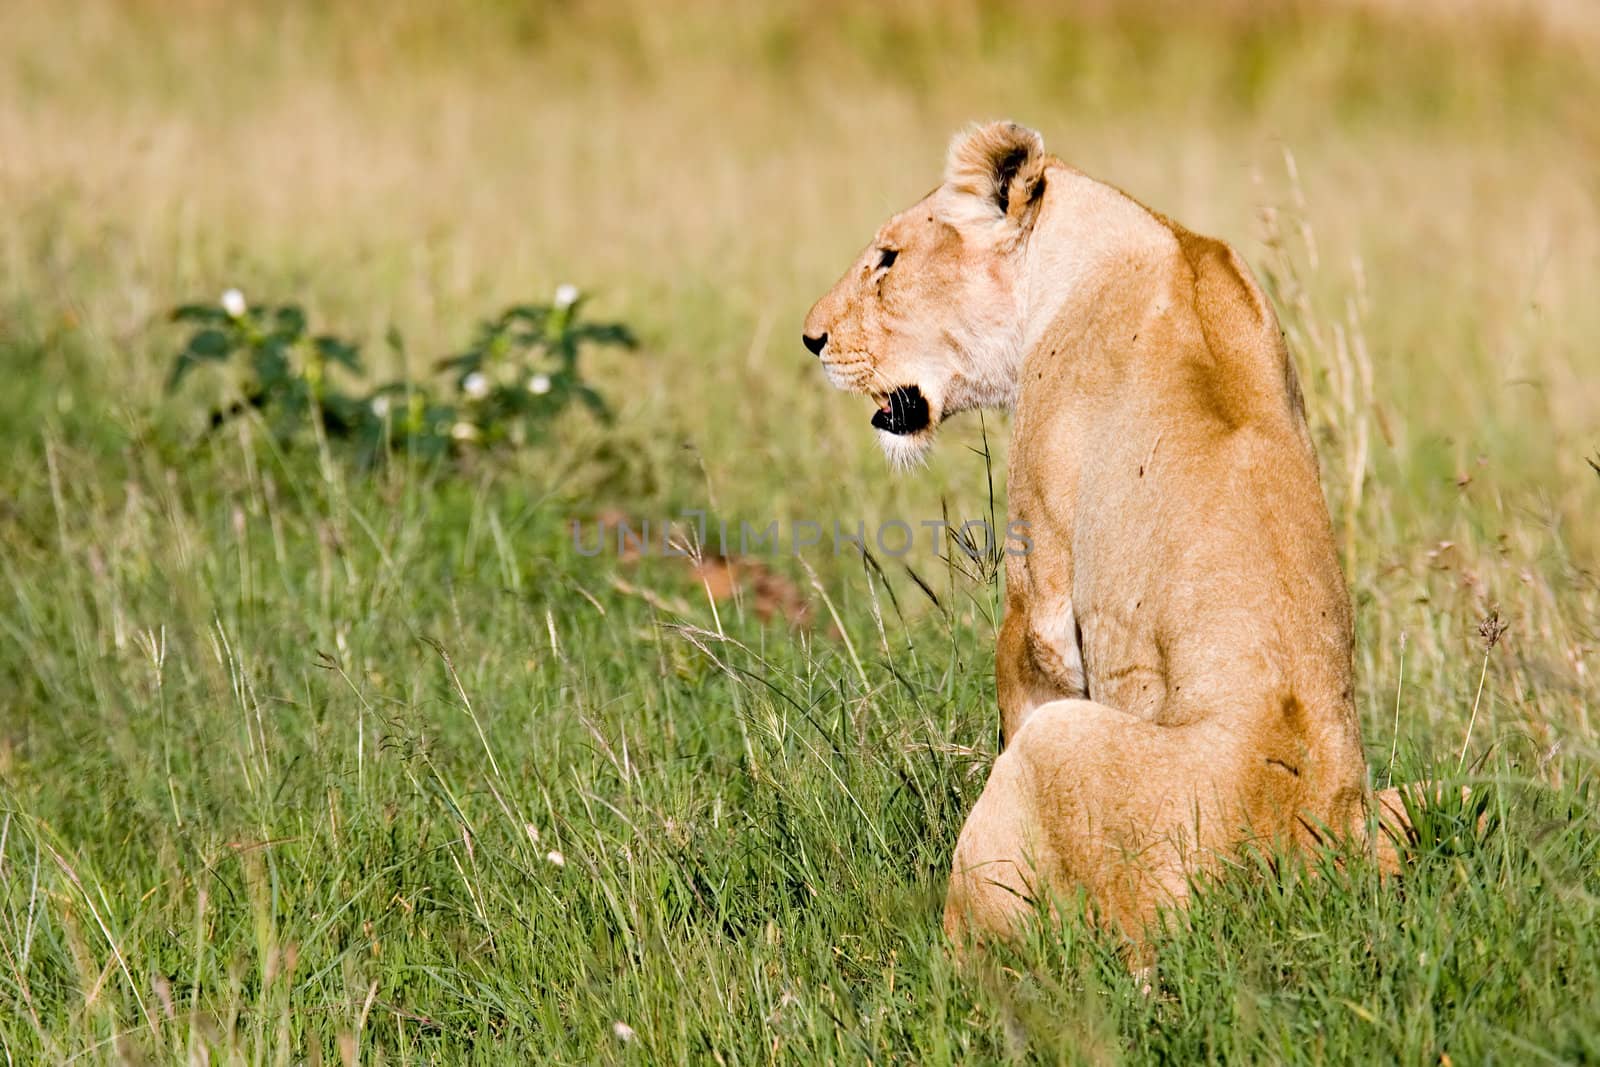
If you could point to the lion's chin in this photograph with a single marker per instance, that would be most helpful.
(906, 451)
(905, 422)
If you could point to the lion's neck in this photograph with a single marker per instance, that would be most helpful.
(1127, 308)
(1092, 246)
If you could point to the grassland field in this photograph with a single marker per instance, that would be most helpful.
(302, 761)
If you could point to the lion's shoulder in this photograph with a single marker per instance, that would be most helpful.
(1252, 365)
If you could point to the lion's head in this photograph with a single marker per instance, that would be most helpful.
(928, 320)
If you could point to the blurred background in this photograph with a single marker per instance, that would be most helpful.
(705, 170)
(217, 687)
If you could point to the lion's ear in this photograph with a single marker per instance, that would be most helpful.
(1001, 164)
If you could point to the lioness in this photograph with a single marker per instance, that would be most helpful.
(1174, 667)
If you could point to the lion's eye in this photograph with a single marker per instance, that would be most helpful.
(886, 258)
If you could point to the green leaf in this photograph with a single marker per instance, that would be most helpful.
(522, 338)
(613, 334)
(206, 346)
(343, 416)
(209, 344)
(464, 363)
(180, 368)
(207, 313)
(290, 319)
(594, 402)
(532, 314)
(566, 349)
(271, 362)
(336, 351)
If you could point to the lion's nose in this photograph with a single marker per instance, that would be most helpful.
(815, 344)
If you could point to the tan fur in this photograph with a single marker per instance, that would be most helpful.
(1174, 666)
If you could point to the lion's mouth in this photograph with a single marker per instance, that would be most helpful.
(903, 411)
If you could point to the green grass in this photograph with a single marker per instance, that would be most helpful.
(300, 801)
(286, 745)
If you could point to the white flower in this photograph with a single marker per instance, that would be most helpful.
(533, 832)
(475, 385)
(464, 431)
(380, 406)
(555, 859)
(566, 295)
(539, 384)
(234, 304)
(623, 1031)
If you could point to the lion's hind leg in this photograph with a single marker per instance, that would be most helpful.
(1083, 796)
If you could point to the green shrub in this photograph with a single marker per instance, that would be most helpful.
(504, 390)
